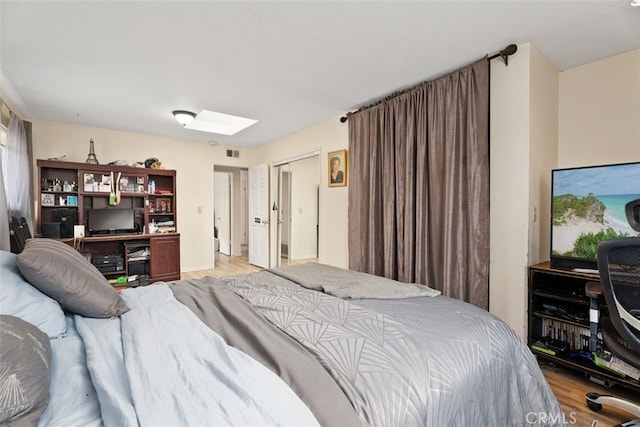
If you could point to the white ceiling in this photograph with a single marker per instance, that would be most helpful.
(127, 64)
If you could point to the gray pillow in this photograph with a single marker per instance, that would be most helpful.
(65, 275)
(25, 358)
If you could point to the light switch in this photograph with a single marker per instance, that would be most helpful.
(78, 231)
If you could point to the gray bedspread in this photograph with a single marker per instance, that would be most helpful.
(351, 284)
(410, 362)
(243, 328)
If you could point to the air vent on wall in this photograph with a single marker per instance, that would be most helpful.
(233, 153)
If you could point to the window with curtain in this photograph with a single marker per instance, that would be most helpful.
(4, 213)
(16, 198)
(419, 185)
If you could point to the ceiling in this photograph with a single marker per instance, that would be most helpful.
(126, 65)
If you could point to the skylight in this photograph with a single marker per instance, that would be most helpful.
(225, 124)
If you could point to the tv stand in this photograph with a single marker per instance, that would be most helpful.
(559, 326)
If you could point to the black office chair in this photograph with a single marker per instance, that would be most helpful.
(632, 210)
(18, 233)
(619, 266)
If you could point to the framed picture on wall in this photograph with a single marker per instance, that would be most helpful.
(337, 161)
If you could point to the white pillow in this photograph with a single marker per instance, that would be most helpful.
(18, 298)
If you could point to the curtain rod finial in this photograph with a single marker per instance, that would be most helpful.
(343, 119)
(507, 52)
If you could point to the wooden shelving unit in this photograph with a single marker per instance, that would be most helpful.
(68, 191)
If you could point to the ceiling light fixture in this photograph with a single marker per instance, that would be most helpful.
(184, 117)
(635, 3)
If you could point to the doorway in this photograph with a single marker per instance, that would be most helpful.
(230, 211)
(222, 212)
(297, 206)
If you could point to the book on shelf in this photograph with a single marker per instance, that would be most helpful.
(616, 365)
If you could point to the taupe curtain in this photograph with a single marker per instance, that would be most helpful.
(419, 185)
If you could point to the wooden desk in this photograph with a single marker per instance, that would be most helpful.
(164, 252)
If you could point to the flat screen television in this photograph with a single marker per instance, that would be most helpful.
(111, 221)
(589, 205)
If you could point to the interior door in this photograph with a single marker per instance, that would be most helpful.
(259, 215)
(222, 208)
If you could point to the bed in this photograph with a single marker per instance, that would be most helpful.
(298, 346)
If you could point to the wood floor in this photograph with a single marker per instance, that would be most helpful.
(224, 266)
(230, 266)
(568, 387)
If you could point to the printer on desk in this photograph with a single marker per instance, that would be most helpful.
(108, 263)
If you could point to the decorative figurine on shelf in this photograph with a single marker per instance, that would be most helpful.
(114, 190)
(92, 159)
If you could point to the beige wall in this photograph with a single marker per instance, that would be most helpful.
(600, 112)
(327, 136)
(193, 162)
(543, 152)
(524, 143)
(509, 175)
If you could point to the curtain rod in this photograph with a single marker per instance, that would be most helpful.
(8, 108)
(6, 105)
(504, 54)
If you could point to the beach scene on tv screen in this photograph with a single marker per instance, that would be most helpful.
(589, 207)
